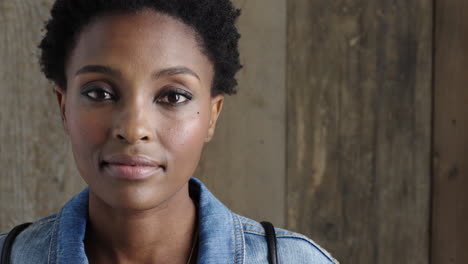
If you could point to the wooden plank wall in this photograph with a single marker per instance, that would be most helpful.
(245, 163)
(359, 127)
(450, 201)
(37, 172)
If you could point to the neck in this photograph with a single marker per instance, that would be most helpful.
(163, 234)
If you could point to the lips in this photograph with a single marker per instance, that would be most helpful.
(131, 167)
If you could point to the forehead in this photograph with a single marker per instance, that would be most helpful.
(145, 40)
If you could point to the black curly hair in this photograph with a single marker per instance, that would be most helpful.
(213, 20)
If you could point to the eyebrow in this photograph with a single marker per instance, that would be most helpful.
(175, 71)
(116, 73)
(99, 69)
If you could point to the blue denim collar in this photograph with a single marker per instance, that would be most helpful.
(221, 234)
(69, 231)
(221, 237)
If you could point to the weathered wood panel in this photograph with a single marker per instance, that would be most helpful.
(450, 201)
(245, 163)
(37, 172)
(359, 122)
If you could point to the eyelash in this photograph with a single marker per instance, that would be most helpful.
(164, 94)
(97, 89)
(175, 92)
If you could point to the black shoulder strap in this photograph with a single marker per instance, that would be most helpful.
(270, 236)
(8, 243)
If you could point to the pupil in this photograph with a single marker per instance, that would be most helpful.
(174, 98)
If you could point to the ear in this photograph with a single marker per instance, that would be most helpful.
(216, 107)
(60, 94)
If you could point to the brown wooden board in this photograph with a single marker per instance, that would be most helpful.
(359, 127)
(450, 200)
(37, 171)
(245, 164)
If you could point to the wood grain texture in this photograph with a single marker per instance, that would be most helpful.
(37, 171)
(450, 201)
(359, 127)
(245, 163)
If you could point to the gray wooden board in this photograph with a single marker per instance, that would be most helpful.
(245, 163)
(37, 172)
(359, 127)
(450, 200)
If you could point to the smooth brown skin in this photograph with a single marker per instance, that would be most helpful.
(151, 220)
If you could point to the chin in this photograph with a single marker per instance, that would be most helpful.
(132, 197)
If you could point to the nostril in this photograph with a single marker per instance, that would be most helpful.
(132, 138)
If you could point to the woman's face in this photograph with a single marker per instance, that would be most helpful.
(138, 107)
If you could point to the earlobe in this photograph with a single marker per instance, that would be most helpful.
(61, 96)
(216, 107)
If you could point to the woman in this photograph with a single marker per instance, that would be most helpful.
(140, 85)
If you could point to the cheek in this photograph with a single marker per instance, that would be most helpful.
(87, 130)
(186, 138)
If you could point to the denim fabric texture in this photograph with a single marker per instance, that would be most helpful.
(224, 237)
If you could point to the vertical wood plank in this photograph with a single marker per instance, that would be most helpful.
(245, 163)
(359, 122)
(450, 201)
(37, 171)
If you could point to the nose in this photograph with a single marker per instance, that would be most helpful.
(133, 126)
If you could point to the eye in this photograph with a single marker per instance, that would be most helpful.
(174, 97)
(98, 93)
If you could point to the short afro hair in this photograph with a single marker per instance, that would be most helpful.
(213, 20)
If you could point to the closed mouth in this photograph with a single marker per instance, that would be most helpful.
(135, 161)
(131, 172)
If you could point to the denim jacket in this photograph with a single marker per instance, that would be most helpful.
(224, 237)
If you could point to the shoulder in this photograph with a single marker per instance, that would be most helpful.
(33, 241)
(292, 247)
